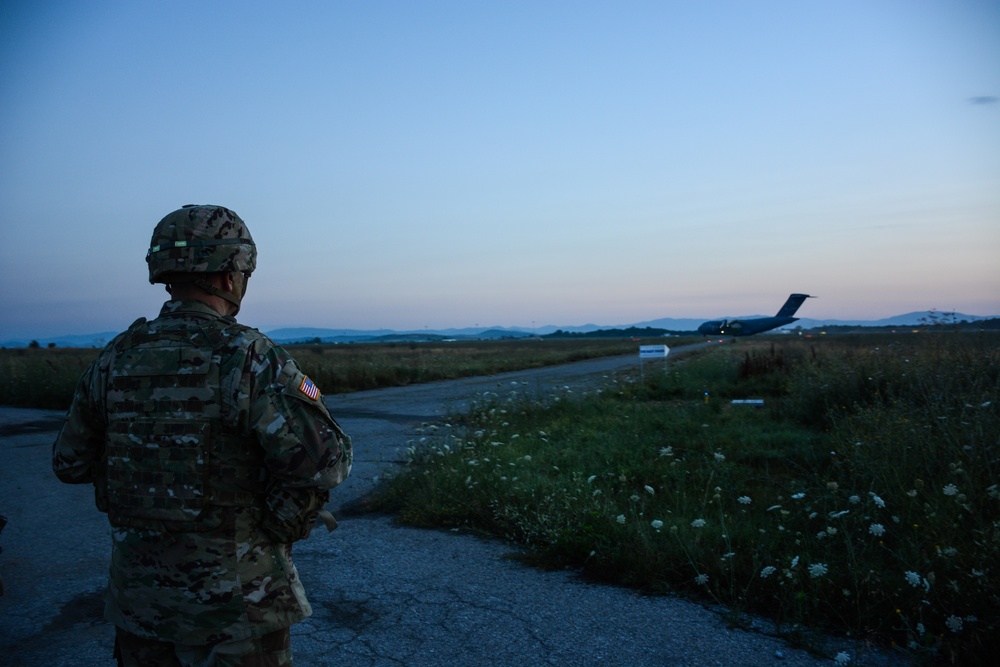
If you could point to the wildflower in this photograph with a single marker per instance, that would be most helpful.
(820, 535)
(719, 456)
(795, 561)
(912, 578)
(950, 490)
(831, 531)
(773, 507)
(875, 499)
(743, 500)
(728, 555)
(912, 493)
(620, 518)
(767, 572)
(837, 515)
(798, 496)
(702, 579)
(854, 500)
(590, 480)
(876, 529)
(656, 523)
(817, 570)
(698, 523)
(832, 486)
(666, 451)
(526, 457)
(954, 623)
(842, 658)
(649, 490)
(921, 629)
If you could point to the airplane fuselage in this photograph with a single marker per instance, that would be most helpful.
(743, 327)
(755, 325)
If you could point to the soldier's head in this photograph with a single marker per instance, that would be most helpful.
(205, 247)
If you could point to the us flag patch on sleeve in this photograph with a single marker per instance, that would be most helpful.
(309, 388)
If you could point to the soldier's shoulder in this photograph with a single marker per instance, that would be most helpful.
(242, 332)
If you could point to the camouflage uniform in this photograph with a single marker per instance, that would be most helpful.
(211, 452)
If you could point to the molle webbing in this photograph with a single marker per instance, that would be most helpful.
(171, 455)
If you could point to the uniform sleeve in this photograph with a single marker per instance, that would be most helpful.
(79, 447)
(306, 453)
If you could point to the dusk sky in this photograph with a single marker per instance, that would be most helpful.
(430, 164)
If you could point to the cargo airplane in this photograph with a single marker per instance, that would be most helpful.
(755, 325)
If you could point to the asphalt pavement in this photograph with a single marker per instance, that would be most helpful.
(382, 594)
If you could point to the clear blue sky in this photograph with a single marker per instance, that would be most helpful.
(446, 164)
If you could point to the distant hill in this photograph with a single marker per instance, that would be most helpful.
(291, 335)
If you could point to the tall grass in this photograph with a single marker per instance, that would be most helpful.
(41, 378)
(862, 498)
(47, 378)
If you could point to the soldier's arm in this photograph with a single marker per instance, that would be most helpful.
(306, 452)
(78, 449)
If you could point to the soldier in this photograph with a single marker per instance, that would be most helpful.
(211, 453)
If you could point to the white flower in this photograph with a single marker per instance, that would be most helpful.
(876, 529)
(719, 456)
(837, 515)
(773, 507)
(590, 480)
(951, 490)
(767, 572)
(620, 518)
(526, 457)
(798, 496)
(921, 629)
(795, 561)
(666, 451)
(954, 623)
(702, 579)
(649, 490)
(743, 500)
(817, 570)
(875, 499)
(698, 523)
(656, 523)
(854, 500)
(820, 535)
(912, 578)
(842, 658)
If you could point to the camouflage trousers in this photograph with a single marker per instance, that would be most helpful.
(271, 650)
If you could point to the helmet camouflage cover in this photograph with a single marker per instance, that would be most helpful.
(200, 239)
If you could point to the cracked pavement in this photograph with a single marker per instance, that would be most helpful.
(382, 594)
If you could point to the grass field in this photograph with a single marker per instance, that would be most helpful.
(862, 498)
(47, 377)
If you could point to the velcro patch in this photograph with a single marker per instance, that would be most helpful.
(309, 388)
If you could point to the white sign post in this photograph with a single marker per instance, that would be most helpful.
(652, 352)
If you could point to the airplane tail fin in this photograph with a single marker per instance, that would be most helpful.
(792, 305)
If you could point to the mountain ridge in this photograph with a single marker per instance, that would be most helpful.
(288, 335)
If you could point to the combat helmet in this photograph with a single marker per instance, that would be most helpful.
(199, 239)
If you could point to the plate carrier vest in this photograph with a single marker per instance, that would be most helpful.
(171, 452)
